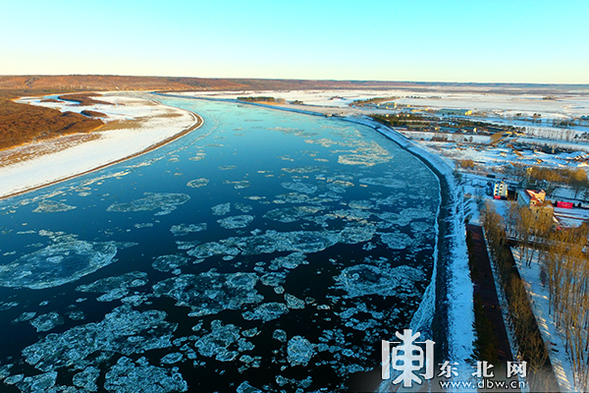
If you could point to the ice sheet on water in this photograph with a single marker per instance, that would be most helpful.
(86, 379)
(172, 358)
(364, 279)
(66, 260)
(140, 376)
(243, 208)
(245, 387)
(295, 197)
(302, 169)
(300, 351)
(238, 184)
(211, 292)
(294, 302)
(117, 287)
(299, 187)
(197, 183)
(221, 209)
(222, 342)
(291, 261)
(185, 229)
(384, 182)
(279, 335)
(123, 330)
(273, 241)
(266, 312)
(235, 222)
(25, 316)
(46, 322)
(168, 263)
(396, 240)
(165, 202)
(41, 383)
(48, 206)
(292, 214)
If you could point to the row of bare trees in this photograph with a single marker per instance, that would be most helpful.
(521, 317)
(564, 263)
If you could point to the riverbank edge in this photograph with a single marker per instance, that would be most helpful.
(198, 123)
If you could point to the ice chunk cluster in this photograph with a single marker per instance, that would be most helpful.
(115, 287)
(364, 279)
(210, 292)
(47, 206)
(165, 202)
(64, 261)
(124, 330)
(140, 376)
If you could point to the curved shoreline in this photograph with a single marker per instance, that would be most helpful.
(198, 122)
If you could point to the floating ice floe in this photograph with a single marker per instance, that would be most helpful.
(46, 322)
(216, 344)
(64, 261)
(235, 222)
(185, 229)
(165, 202)
(172, 358)
(363, 279)
(299, 187)
(273, 241)
(25, 316)
(210, 292)
(124, 330)
(39, 383)
(168, 263)
(245, 387)
(294, 302)
(140, 376)
(302, 169)
(117, 287)
(292, 214)
(238, 184)
(300, 351)
(279, 335)
(384, 182)
(291, 261)
(86, 379)
(221, 209)
(266, 312)
(47, 206)
(396, 240)
(197, 183)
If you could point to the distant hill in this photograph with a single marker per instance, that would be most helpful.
(40, 84)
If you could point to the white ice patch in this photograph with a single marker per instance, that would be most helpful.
(168, 263)
(114, 288)
(165, 202)
(299, 187)
(300, 351)
(46, 206)
(64, 261)
(124, 330)
(236, 222)
(185, 229)
(396, 240)
(361, 280)
(46, 322)
(127, 376)
(197, 183)
(292, 214)
(266, 312)
(210, 292)
(221, 209)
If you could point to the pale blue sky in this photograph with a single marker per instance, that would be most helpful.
(411, 40)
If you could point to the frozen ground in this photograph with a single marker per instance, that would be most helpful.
(134, 125)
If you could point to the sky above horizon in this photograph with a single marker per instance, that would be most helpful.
(412, 40)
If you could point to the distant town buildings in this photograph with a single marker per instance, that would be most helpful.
(455, 112)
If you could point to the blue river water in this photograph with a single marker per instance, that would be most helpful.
(265, 251)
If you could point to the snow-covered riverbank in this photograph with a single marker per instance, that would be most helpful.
(134, 126)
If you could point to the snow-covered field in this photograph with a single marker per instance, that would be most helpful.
(134, 125)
